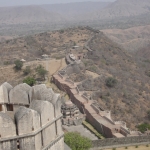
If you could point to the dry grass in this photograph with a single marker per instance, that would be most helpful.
(131, 39)
(55, 44)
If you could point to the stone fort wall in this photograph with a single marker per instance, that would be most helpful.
(119, 142)
(101, 120)
(33, 122)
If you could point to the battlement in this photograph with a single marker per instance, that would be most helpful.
(36, 127)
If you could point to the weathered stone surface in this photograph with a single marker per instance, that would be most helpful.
(8, 86)
(40, 92)
(7, 126)
(28, 121)
(46, 111)
(24, 87)
(3, 94)
(35, 92)
(19, 94)
(56, 101)
(7, 129)
(8, 145)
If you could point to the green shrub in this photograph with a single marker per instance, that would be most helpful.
(77, 142)
(18, 64)
(27, 70)
(143, 127)
(110, 82)
(29, 80)
(41, 71)
(126, 147)
(147, 145)
(136, 146)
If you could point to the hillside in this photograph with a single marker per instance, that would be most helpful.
(54, 43)
(131, 39)
(123, 8)
(144, 53)
(128, 100)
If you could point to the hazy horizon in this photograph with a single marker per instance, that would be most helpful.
(5, 3)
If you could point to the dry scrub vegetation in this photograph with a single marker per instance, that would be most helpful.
(54, 43)
(128, 99)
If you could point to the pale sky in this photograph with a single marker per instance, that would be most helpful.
(38, 2)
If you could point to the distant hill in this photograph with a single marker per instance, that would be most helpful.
(52, 13)
(123, 8)
(131, 39)
(28, 14)
(73, 11)
(25, 20)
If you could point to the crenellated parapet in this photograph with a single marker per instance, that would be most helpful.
(34, 126)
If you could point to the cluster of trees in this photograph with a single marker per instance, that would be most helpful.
(30, 80)
(143, 127)
(77, 142)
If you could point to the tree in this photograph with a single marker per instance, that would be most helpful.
(18, 64)
(77, 142)
(41, 71)
(110, 82)
(27, 70)
(143, 127)
(29, 80)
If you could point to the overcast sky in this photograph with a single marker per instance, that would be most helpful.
(37, 2)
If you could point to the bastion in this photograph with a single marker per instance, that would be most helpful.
(30, 118)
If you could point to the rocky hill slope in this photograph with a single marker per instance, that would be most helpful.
(54, 43)
(131, 39)
(128, 100)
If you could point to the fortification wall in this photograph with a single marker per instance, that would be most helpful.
(35, 128)
(80, 102)
(101, 120)
(118, 142)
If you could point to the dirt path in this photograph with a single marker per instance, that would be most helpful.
(53, 65)
(94, 75)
